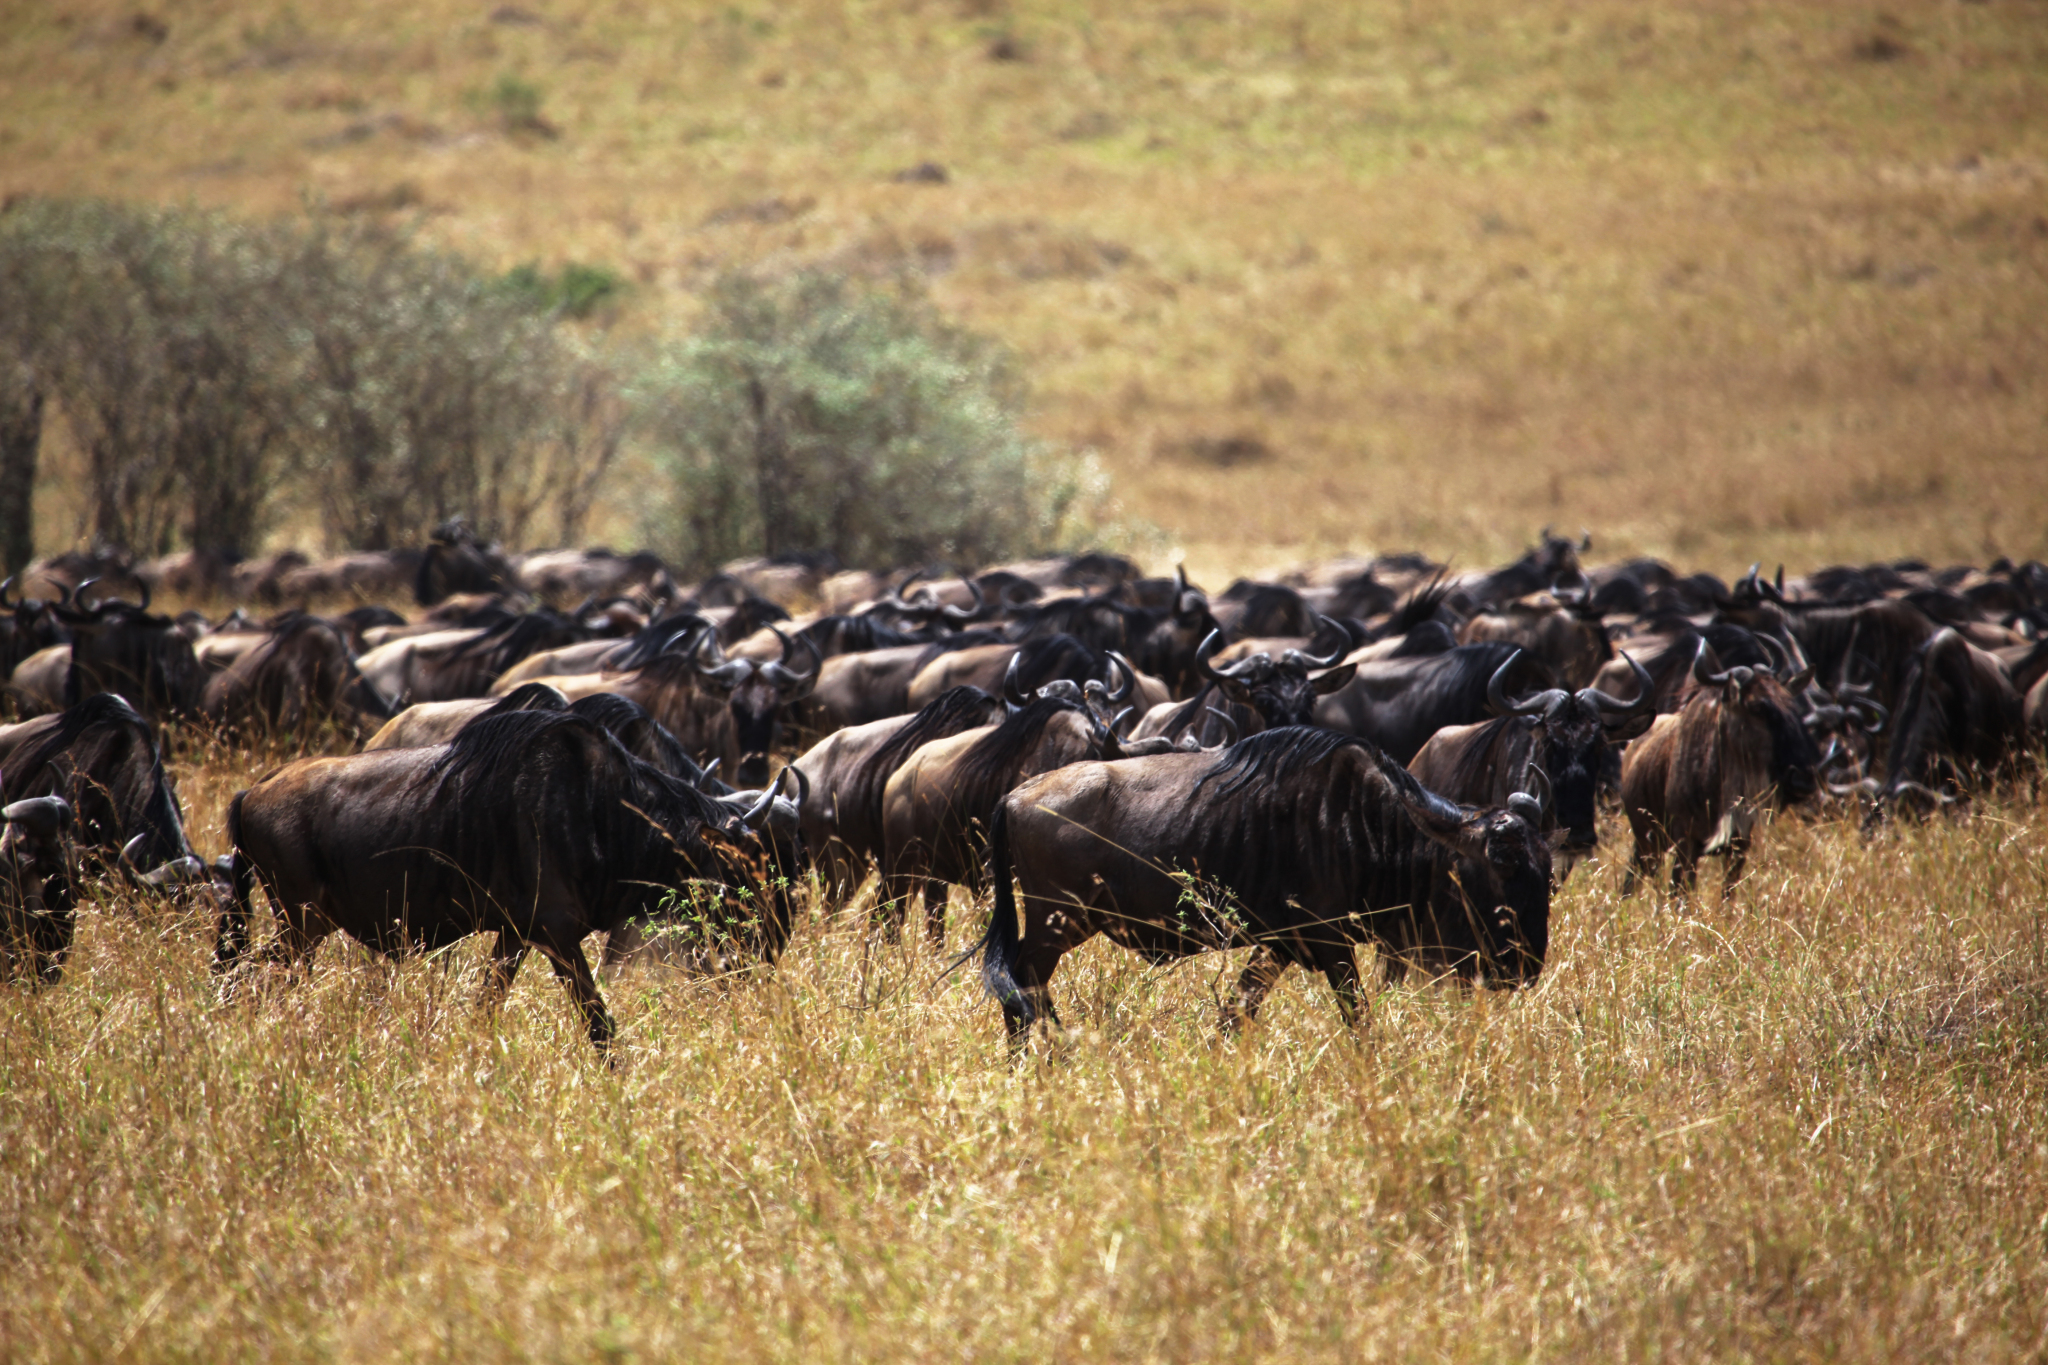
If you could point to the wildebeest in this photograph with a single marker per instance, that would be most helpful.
(937, 803)
(458, 560)
(848, 770)
(1303, 842)
(120, 647)
(38, 912)
(300, 675)
(534, 825)
(1553, 738)
(1697, 781)
(1959, 723)
(1259, 692)
(756, 693)
(1398, 703)
(427, 723)
(28, 624)
(1559, 627)
(102, 758)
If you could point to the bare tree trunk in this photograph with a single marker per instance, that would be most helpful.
(21, 435)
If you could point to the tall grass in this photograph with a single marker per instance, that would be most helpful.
(1809, 1122)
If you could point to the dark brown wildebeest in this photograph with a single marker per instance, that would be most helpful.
(119, 647)
(756, 693)
(1558, 627)
(447, 665)
(870, 685)
(848, 770)
(1302, 842)
(1398, 703)
(458, 561)
(425, 724)
(534, 825)
(599, 656)
(298, 677)
(1551, 739)
(38, 911)
(1697, 781)
(101, 757)
(1960, 724)
(1553, 559)
(28, 624)
(1161, 642)
(936, 805)
(1258, 692)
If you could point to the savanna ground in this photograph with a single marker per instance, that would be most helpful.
(1721, 282)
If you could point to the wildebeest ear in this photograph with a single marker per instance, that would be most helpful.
(1335, 679)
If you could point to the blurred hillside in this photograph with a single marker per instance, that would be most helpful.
(1720, 281)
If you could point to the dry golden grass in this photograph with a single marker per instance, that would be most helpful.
(1806, 1124)
(1719, 280)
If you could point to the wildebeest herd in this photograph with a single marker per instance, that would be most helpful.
(1377, 751)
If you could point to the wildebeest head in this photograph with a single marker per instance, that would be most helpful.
(1570, 734)
(1281, 690)
(119, 647)
(29, 624)
(1502, 874)
(36, 893)
(1756, 706)
(756, 692)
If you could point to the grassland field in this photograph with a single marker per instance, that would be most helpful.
(1720, 281)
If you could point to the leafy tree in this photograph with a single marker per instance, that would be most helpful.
(813, 413)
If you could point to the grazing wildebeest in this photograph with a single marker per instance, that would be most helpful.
(1960, 723)
(300, 675)
(936, 805)
(535, 825)
(1302, 842)
(427, 723)
(38, 913)
(119, 647)
(1554, 738)
(101, 757)
(1697, 781)
(849, 768)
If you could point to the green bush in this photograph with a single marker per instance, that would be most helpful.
(812, 413)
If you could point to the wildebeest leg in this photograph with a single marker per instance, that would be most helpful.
(1685, 862)
(1642, 863)
(1732, 860)
(936, 894)
(574, 970)
(620, 945)
(1339, 966)
(1261, 972)
(506, 955)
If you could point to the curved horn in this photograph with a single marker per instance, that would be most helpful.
(1119, 722)
(78, 594)
(1118, 661)
(42, 816)
(726, 673)
(1206, 651)
(1228, 724)
(1646, 694)
(1013, 686)
(705, 773)
(6, 605)
(761, 809)
(1700, 672)
(143, 583)
(1438, 818)
(960, 616)
(1497, 693)
(1536, 783)
(1307, 660)
(1875, 713)
(1180, 580)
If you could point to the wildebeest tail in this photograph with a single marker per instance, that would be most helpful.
(232, 938)
(999, 944)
